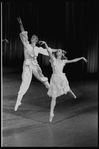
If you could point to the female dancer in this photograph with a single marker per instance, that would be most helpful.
(59, 84)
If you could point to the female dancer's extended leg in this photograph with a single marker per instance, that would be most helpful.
(53, 103)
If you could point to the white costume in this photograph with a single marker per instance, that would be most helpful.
(30, 65)
(58, 84)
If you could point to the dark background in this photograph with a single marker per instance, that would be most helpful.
(72, 26)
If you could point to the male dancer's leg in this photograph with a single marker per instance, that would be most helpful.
(38, 74)
(26, 80)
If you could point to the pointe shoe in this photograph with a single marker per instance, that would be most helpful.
(44, 79)
(51, 117)
(75, 96)
(47, 86)
(17, 105)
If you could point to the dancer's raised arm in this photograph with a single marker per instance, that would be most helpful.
(23, 34)
(21, 24)
(48, 49)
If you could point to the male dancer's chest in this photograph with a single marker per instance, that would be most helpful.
(33, 51)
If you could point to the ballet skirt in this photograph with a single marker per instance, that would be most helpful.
(59, 84)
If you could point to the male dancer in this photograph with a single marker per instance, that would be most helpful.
(30, 64)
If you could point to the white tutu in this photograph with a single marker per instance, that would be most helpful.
(58, 85)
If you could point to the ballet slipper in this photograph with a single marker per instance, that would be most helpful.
(17, 105)
(47, 86)
(51, 117)
(75, 96)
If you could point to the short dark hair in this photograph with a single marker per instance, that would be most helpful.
(35, 36)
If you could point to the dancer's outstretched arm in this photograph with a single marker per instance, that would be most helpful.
(76, 60)
(44, 52)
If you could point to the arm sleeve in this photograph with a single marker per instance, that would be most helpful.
(44, 51)
(24, 38)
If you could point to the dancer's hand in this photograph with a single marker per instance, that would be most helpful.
(42, 42)
(85, 59)
(19, 20)
(64, 51)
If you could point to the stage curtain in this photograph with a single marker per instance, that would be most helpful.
(72, 26)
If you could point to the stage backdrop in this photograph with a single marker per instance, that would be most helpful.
(72, 26)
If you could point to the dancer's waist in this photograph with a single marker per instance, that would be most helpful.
(31, 61)
(59, 73)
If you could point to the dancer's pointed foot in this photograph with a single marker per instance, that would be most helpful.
(75, 96)
(51, 117)
(72, 94)
(17, 105)
(48, 86)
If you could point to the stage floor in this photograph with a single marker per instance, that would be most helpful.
(75, 123)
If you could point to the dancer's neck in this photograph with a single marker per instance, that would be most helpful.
(59, 58)
(33, 45)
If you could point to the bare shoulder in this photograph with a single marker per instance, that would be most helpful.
(65, 61)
